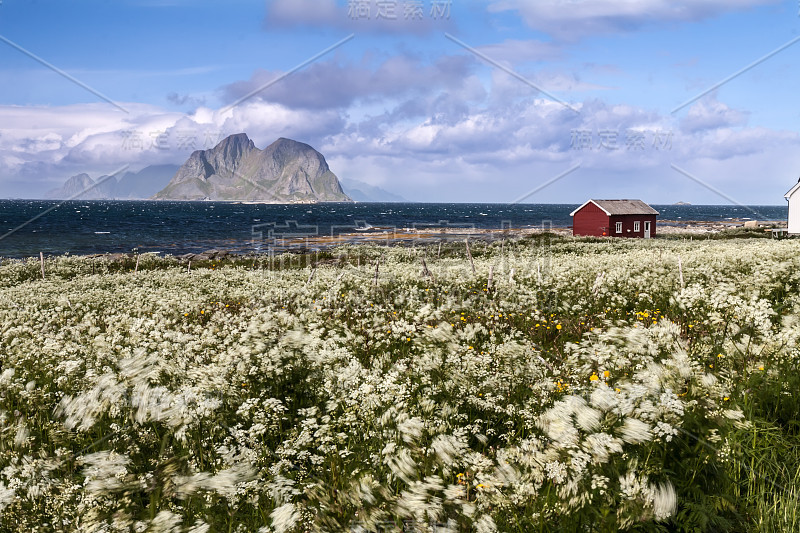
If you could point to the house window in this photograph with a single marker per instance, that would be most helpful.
(636, 226)
(619, 227)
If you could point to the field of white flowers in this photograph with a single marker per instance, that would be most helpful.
(590, 386)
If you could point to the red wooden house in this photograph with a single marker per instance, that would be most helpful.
(614, 218)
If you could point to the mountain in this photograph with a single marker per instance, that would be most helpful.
(75, 187)
(364, 192)
(127, 186)
(286, 171)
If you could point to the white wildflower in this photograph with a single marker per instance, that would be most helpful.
(448, 448)
(166, 522)
(402, 464)
(604, 398)
(601, 446)
(284, 517)
(226, 481)
(199, 527)
(631, 485)
(104, 471)
(485, 524)
(6, 377)
(708, 380)
(21, 435)
(665, 501)
(7, 496)
(588, 419)
(556, 471)
(411, 429)
(635, 431)
(733, 414)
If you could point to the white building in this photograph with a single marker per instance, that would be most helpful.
(793, 196)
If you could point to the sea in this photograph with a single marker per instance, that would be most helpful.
(81, 227)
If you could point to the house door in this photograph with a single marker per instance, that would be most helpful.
(646, 229)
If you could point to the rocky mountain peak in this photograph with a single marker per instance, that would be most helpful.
(286, 171)
(234, 146)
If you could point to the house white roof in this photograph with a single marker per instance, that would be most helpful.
(620, 207)
(792, 190)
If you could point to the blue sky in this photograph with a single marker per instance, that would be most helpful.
(402, 106)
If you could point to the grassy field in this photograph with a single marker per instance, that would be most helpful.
(588, 386)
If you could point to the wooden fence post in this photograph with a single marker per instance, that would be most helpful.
(469, 254)
(425, 270)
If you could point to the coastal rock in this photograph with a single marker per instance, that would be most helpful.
(286, 171)
(208, 255)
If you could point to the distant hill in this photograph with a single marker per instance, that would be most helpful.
(364, 192)
(127, 186)
(78, 186)
(286, 171)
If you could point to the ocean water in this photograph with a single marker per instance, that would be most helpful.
(28, 227)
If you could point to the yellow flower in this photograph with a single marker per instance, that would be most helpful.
(558, 326)
(606, 373)
(761, 367)
(593, 377)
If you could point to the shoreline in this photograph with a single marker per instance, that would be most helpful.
(386, 236)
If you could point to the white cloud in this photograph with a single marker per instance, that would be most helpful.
(573, 19)
(709, 113)
(438, 146)
(331, 84)
(48, 144)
